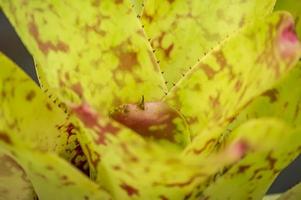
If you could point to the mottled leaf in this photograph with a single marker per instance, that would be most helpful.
(51, 176)
(100, 56)
(14, 183)
(183, 31)
(25, 109)
(225, 80)
(273, 145)
(131, 168)
(282, 101)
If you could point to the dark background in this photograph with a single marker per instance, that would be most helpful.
(11, 45)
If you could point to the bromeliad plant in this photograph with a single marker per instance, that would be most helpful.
(150, 100)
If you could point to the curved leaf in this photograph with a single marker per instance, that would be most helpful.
(52, 177)
(25, 109)
(182, 31)
(14, 183)
(100, 56)
(272, 146)
(233, 74)
(131, 168)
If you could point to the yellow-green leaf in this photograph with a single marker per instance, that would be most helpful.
(272, 146)
(51, 176)
(233, 74)
(183, 31)
(138, 5)
(28, 111)
(282, 101)
(131, 168)
(88, 51)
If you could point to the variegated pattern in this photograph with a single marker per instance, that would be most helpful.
(183, 31)
(149, 99)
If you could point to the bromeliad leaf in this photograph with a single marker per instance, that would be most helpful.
(37, 147)
(13, 176)
(160, 166)
(183, 31)
(25, 109)
(139, 6)
(282, 101)
(272, 144)
(100, 56)
(52, 177)
(270, 51)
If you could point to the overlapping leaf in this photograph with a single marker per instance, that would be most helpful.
(26, 110)
(182, 31)
(13, 176)
(233, 74)
(273, 145)
(52, 177)
(100, 55)
(292, 194)
(128, 166)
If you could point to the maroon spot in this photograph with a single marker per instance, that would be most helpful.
(127, 60)
(162, 197)
(168, 50)
(243, 168)
(88, 116)
(272, 161)
(238, 85)
(48, 106)
(69, 130)
(77, 88)
(5, 138)
(90, 119)
(130, 190)
(45, 46)
(210, 73)
(184, 183)
(206, 146)
(30, 95)
(271, 94)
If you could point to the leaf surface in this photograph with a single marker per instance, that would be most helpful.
(100, 56)
(230, 76)
(272, 146)
(183, 31)
(13, 176)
